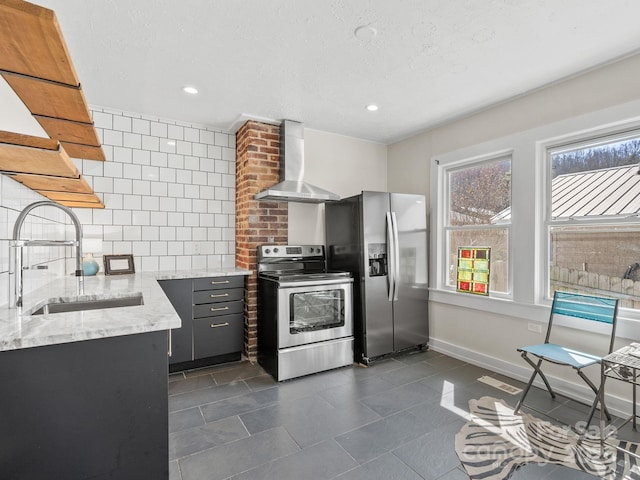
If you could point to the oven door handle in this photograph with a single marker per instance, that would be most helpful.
(391, 257)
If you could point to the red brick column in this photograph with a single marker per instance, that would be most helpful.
(257, 223)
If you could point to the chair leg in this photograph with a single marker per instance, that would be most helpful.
(597, 392)
(536, 371)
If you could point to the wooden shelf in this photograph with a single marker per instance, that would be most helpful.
(31, 43)
(35, 62)
(27, 154)
(68, 199)
(48, 183)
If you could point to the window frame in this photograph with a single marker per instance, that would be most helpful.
(445, 169)
(528, 148)
(571, 143)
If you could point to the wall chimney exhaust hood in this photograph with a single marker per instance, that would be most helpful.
(291, 187)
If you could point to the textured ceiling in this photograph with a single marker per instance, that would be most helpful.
(431, 60)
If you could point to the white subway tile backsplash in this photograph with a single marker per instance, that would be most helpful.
(214, 151)
(132, 232)
(167, 204)
(123, 186)
(175, 131)
(149, 264)
(132, 202)
(159, 218)
(114, 200)
(167, 175)
(171, 206)
(122, 217)
(113, 169)
(183, 205)
(141, 187)
(158, 159)
(158, 129)
(121, 123)
(199, 149)
(103, 185)
(159, 189)
(192, 135)
(141, 126)
(112, 137)
(132, 140)
(184, 176)
(140, 217)
(158, 248)
(140, 249)
(132, 171)
(175, 190)
(102, 120)
(141, 157)
(167, 263)
(150, 203)
(229, 154)
(112, 233)
(191, 163)
(150, 143)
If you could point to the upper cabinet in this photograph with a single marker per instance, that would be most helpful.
(35, 62)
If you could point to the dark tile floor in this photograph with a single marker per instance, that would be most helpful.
(395, 419)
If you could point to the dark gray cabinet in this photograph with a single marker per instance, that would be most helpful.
(94, 409)
(212, 313)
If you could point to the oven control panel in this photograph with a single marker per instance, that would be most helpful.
(290, 251)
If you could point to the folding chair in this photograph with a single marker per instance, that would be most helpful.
(586, 307)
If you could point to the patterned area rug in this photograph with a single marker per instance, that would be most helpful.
(495, 443)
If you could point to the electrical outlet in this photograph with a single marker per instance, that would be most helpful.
(534, 327)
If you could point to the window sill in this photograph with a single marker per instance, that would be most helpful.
(628, 321)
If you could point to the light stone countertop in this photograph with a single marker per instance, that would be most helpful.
(19, 329)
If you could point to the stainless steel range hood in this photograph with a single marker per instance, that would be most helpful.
(291, 187)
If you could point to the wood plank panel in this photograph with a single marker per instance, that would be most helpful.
(50, 99)
(43, 183)
(18, 158)
(69, 131)
(84, 151)
(31, 43)
(69, 199)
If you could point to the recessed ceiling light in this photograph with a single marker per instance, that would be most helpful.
(372, 107)
(190, 90)
(365, 32)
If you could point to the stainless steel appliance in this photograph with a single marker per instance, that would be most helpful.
(381, 238)
(305, 314)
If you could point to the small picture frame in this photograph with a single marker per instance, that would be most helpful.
(118, 264)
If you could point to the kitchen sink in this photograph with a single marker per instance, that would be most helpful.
(61, 305)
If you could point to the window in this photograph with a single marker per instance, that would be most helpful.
(479, 214)
(592, 207)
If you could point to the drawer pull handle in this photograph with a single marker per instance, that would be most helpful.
(213, 295)
(219, 309)
(213, 282)
(216, 325)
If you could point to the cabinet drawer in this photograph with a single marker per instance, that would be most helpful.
(211, 296)
(210, 283)
(215, 309)
(218, 335)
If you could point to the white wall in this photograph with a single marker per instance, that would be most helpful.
(343, 165)
(471, 332)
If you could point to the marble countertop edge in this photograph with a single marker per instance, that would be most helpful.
(19, 329)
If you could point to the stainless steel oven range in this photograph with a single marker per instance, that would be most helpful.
(305, 314)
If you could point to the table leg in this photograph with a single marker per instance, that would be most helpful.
(602, 424)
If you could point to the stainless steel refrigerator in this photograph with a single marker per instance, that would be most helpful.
(381, 238)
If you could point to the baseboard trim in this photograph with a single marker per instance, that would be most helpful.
(618, 406)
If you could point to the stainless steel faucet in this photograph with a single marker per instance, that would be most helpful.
(20, 244)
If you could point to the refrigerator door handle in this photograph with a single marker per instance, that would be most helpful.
(391, 257)
(396, 254)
